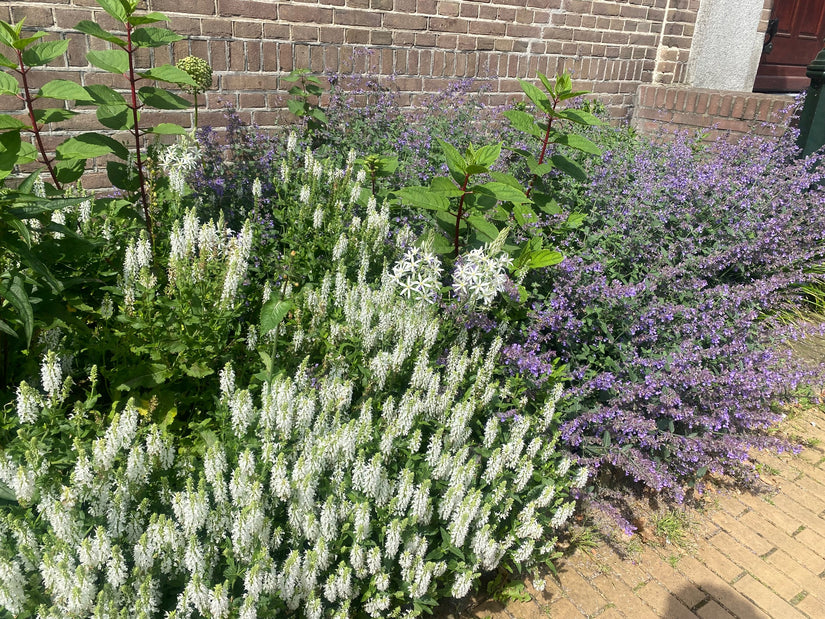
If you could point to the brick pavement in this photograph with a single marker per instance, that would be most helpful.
(751, 556)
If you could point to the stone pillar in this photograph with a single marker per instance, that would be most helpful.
(726, 45)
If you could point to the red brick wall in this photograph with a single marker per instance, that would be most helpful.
(612, 46)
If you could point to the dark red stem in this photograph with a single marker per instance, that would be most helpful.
(136, 131)
(460, 211)
(35, 128)
(544, 144)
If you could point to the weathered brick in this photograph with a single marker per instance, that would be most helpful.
(310, 14)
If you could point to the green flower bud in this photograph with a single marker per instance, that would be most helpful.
(199, 70)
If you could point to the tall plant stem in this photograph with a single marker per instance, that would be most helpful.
(460, 211)
(544, 144)
(136, 132)
(35, 128)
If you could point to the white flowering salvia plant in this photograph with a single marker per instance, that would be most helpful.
(367, 477)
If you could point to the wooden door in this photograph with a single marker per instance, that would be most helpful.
(799, 38)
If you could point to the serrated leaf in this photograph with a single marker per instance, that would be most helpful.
(487, 155)
(7, 62)
(540, 169)
(117, 117)
(422, 197)
(580, 117)
(167, 129)
(169, 73)
(64, 90)
(571, 95)
(575, 220)
(524, 122)
(53, 115)
(103, 95)
(43, 53)
(162, 99)
(272, 313)
(148, 18)
(544, 258)
(89, 146)
(564, 83)
(93, 29)
(8, 123)
(455, 162)
(445, 187)
(8, 85)
(111, 60)
(114, 8)
(568, 166)
(578, 142)
(22, 44)
(487, 230)
(502, 192)
(154, 37)
(506, 178)
(536, 96)
(198, 370)
(545, 82)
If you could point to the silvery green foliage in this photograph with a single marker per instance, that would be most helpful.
(367, 484)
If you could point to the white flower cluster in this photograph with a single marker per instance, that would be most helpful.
(178, 161)
(480, 275)
(137, 268)
(418, 275)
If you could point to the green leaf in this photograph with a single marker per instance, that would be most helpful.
(111, 60)
(272, 313)
(90, 145)
(103, 95)
(10, 144)
(445, 187)
(544, 258)
(487, 155)
(167, 129)
(568, 166)
(536, 96)
(148, 18)
(571, 95)
(524, 122)
(5, 328)
(122, 176)
(540, 169)
(387, 165)
(114, 8)
(578, 142)
(22, 44)
(53, 115)
(564, 83)
(117, 117)
(606, 439)
(44, 53)
(169, 73)
(487, 230)
(524, 214)
(455, 162)
(64, 90)
(93, 29)
(154, 37)
(575, 220)
(506, 178)
(16, 295)
(162, 99)
(441, 244)
(422, 197)
(7, 494)
(70, 170)
(502, 192)
(545, 82)
(580, 116)
(198, 370)
(8, 85)
(10, 123)
(7, 62)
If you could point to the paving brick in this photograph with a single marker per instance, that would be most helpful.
(716, 552)
(718, 589)
(803, 577)
(623, 597)
(742, 533)
(767, 600)
(580, 592)
(712, 610)
(811, 606)
(663, 602)
(564, 608)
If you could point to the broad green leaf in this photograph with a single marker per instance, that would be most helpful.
(162, 99)
(70, 170)
(111, 60)
(7, 494)
(93, 29)
(580, 116)
(502, 192)
(536, 96)
(544, 258)
(564, 83)
(272, 313)
(65, 90)
(43, 53)
(16, 295)
(53, 115)
(22, 44)
(422, 197)
(117, 117)
(568, 166)
(198, 370)
(445, 187)
(25, 256)
(10, 144)
(441, 244)
(90, 145)
(103, 95)
(5, 328)
(473, 168)
(487, 230)
(571, 94)
(540, 169)
(387, 165)
(166, 129)
(114, 8)
(295, 107)
(169, 73)
(522, 121)
(524, 214)
(545, 82)
(154, 37)
(575, 220)
(578, 142)
(10, 123)
(148, 18)
(8, 85)
(455, 162)
(122, 176)
(7, 62)
(27, 153)
(487, 155)
(506, 178)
